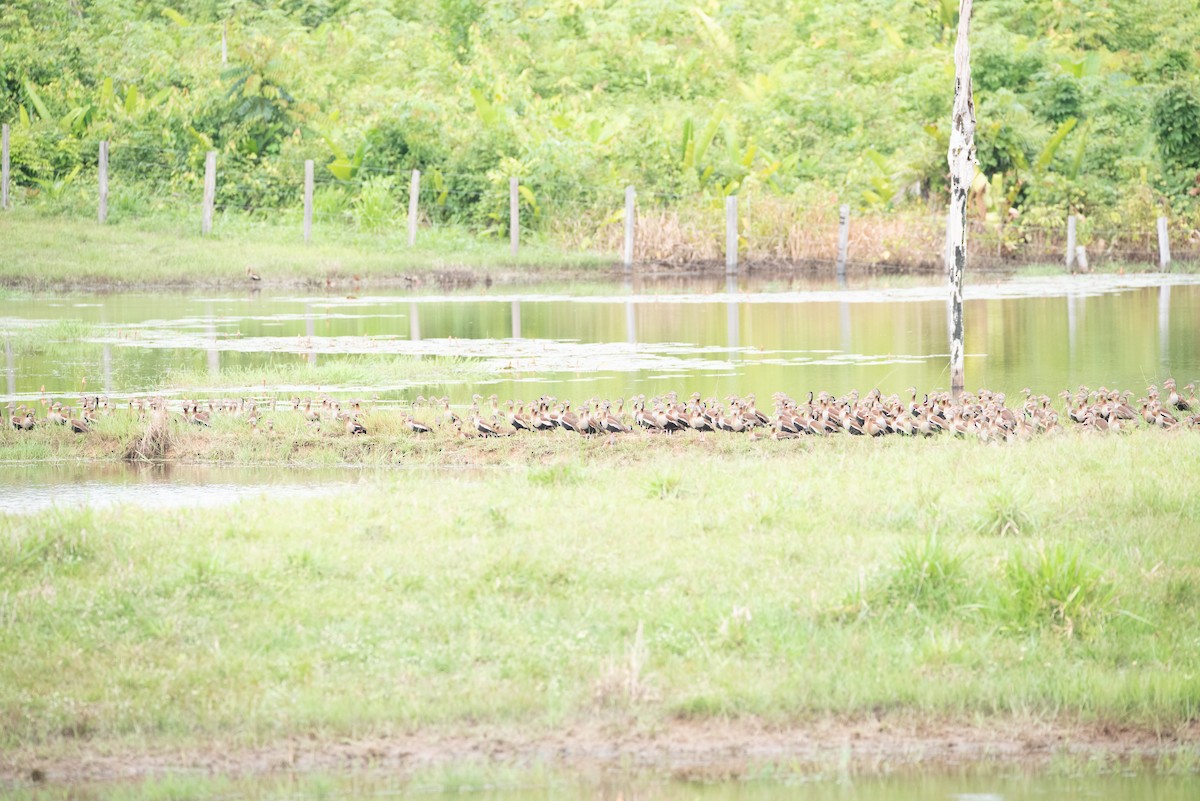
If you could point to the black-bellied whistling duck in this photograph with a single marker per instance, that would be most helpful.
(199, 418)
(567, 418)
(252, 276)
(1164, 419)
(612, 423)
(1174, 399)
(484, 428)
(354, 427)
(55, 414)
(17, 417)
(416, 426)
(754, 415)
(516, 419)
(78, 425)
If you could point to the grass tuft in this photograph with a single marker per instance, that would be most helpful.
(664, 485)
(1055, 587)
(1003, 515)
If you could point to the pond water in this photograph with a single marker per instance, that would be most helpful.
(602, 340)
(969, 786)
(28, 488)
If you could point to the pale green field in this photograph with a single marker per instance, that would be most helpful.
(47, 252)
(1057, 579)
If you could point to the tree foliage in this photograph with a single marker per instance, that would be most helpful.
(810, 98)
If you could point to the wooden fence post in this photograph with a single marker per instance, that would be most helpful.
(210, 192)
(514, 216)
(102, 173)
(1070, 241)
(224, 46)
(630, 207)
(308, 199)
(414, 195)
(1164, 245)
(843, 240)
(961, 158)
(4, 166)
(731, 235)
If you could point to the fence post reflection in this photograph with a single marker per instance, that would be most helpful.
(11, 366)
(630, 318)
(516, 319)
(844, 314)
(732, 317)
(105, 357)
(310, 332)
(214, 355)
(1071, 326)
(414, 321)
(1164, 325)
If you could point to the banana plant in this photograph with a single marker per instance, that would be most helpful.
(344, 166)
(56, 188)
(695, 146)
(439, 186)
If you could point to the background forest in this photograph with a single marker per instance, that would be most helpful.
(1086, 106)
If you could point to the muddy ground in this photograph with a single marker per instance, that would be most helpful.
(680, 749)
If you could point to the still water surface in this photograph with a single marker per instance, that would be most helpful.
(932, 787)
(28, 488)
(610, 341)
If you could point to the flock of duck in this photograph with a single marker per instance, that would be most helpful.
(984, 414)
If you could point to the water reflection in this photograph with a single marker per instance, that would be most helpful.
(1164, 324)
(776, 783)
(718, 339)
(10, 367)
(27, 488)
(732, 324)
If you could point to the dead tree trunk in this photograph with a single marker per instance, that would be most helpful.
(962, 171)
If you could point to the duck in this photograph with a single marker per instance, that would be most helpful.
(79, 425)
(1174, 399)
(415, 426)
(484, 428)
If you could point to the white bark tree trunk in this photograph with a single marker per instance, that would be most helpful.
(962, 170)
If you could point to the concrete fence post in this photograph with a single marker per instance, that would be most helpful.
(1164, 245)
(731, 235)
(843, 240)
(210, 192)
(514, 216)
(4, 166)
(630, 210)
(308, 199)
(1070, 241)
(414, 195)
(102, 178)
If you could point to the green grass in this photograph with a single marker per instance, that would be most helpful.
(51, 252)
(625, 581)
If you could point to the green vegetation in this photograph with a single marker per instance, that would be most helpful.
(620, 583)
(75, 253)
(791, 104)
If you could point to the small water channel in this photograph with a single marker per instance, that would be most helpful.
(986, 785)
(611, 340)
(29, 488)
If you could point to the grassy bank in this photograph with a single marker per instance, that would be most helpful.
(773, 581)
(50, 252)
